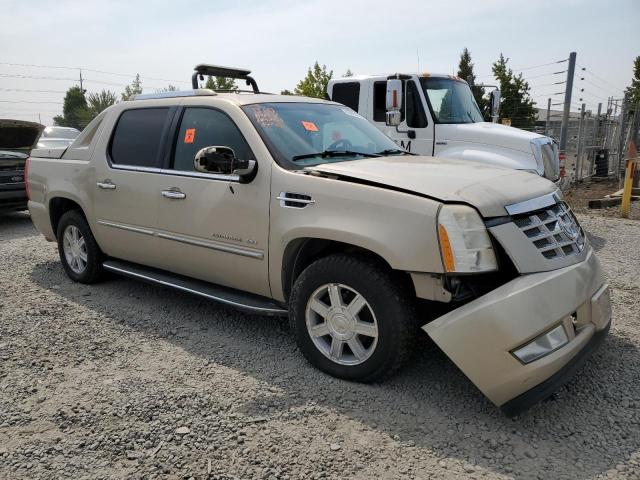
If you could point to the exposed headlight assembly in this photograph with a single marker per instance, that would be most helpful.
(546, 153)
(465, 245)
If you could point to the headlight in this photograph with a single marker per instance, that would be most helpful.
(465, 245)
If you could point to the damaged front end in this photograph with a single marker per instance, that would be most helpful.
(521, 332)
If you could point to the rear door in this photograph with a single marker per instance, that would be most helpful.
(211, 226)
(127, 185)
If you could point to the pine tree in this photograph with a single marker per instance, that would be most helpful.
(515, 102)
(348, 73)
(315, 83)
(632, 92)
(465, 72)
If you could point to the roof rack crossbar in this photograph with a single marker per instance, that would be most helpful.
(228, 72)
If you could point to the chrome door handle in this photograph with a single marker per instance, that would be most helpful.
(173, 194)
(106, 185)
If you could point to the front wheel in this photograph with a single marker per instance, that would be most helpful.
(351, 319)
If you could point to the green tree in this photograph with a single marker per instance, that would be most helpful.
(515, 102)
(221, 83)
(632, 92)
(74, 109)
(315, 83)
(465, 72)
(134, 89)
(168, 88)
(286, 92)
(96, 103)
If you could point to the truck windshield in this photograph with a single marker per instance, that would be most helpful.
(303, 134)
(451, 100)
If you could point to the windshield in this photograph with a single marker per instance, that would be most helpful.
(303, 134)
(451, 100)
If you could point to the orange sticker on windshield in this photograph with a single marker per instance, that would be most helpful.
(189, 135)
(310, 126)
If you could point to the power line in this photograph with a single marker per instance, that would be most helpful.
(128, 75)
(27, 101)
(546, 75)
(584, 69)
(30, 91)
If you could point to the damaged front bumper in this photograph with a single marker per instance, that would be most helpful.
(481, 336)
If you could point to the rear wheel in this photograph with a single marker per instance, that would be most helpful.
(351, 319)
(79, 253)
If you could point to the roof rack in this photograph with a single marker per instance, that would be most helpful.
(227, 72)
(173, 94)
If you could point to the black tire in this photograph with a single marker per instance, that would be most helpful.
(392, 306)
(93, 271)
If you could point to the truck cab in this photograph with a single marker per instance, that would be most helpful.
(438, 116)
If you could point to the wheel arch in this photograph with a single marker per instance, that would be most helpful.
(302, 252)
(58, 206)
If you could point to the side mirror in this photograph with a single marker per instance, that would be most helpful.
(222, 161)
(394, 102)
(494, 100)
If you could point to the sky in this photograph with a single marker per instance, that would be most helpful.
(280, 39)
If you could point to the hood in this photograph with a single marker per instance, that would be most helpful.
(490, 134)
(485, 187)
(19, 135)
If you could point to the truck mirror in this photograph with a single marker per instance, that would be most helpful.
(494, 99)
(394, 102)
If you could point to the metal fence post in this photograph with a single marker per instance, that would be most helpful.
(564, 130)
(580, 145)
(546, 125)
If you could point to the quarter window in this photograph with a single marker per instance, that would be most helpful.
(138, 137)
(206, 127)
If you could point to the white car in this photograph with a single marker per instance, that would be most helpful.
(54, 136)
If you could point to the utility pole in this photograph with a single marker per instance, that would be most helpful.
(620, 140)
(546, 125)
(564, 131)
(81, 81)
(580, 145)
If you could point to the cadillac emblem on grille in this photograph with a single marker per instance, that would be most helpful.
(553, 230)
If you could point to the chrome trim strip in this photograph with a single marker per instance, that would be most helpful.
(195, 292)
(126, 227)
(176, 173)
(284, 199)
(533, 204)
(238, 250)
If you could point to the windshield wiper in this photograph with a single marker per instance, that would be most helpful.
(332, 153)
(391, 151)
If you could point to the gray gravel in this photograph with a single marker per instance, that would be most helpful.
(123, 379)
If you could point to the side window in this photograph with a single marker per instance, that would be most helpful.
(138, 137)
(347, 94)
(205, 127)
(416, 117)
(380, 102)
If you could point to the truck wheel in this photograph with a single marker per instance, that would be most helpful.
(79, 253)
(350, 318)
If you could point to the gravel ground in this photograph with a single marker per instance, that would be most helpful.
(123, 379)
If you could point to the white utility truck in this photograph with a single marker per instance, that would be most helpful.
(437, 115)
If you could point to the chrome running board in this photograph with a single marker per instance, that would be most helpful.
(247, 302)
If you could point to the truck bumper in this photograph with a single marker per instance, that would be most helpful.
(40, 218)
(11, 200)
(480, 336)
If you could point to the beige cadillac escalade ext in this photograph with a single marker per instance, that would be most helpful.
(294, 206)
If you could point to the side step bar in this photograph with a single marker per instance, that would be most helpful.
(247, 302)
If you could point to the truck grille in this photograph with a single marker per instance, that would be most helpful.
(553, 230)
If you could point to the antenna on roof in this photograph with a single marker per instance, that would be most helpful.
(227, 72)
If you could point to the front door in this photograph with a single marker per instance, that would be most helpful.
(127, 183)
(211, 226)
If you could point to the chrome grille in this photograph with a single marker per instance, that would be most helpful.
(554, 231)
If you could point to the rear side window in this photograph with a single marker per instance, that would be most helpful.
(138, 137)
(347, 94)
(206, 127)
